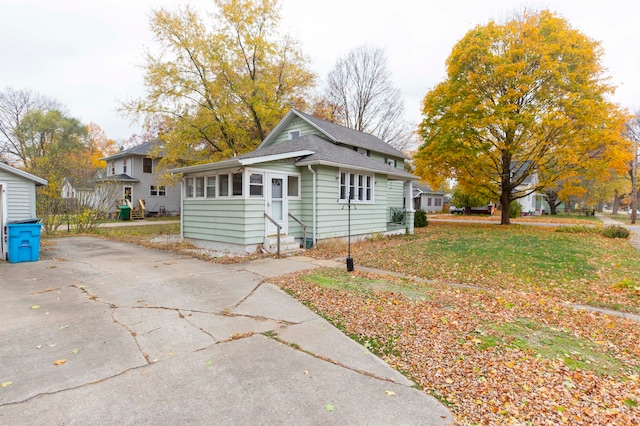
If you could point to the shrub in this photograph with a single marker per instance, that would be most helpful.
(580, 229)
(616, 231)
(420, 219)
(515, 209)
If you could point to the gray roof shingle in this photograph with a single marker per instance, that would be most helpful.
(352, 137)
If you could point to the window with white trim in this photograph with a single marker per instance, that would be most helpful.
(390, 161)
(236, 184)
(211, 187)
(124, 165)
(256, 186)
(189, 188)
(223, 185)
(157, 190)
(358, 186)
(294, 134)
(199, 186)
(293, 186)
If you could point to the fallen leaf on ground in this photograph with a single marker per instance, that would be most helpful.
(60, 361)
(5, 384)
(34, 306)
(329, 407)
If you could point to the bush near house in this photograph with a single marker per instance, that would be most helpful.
(514, 209)
(420, 219)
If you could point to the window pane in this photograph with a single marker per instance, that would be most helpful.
(147, 165)
(223, 185)
(211, 187)
(189, 187)
(200, 186)
(343, 186)
(360, 187)
(352, 185)
(255, 184)
(292, 188)
(162, 191)
(276, 188)
(237, 184)
(369, 188)
(255, 178)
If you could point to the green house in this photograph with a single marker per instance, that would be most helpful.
(303, 182)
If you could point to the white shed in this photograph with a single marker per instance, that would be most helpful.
(17, 199)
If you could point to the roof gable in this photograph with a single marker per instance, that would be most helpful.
(7, 168)
(335, 133)
(141, 150)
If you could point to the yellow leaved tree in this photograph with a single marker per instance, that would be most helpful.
(522, 97)
(219, 85)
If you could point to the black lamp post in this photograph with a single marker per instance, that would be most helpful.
(349, 258)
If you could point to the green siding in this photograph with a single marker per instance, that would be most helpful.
(332, 216)
(396, 194)
(296, 124)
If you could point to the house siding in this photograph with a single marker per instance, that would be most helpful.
(21, 196)
(296, 124)
(332, 216)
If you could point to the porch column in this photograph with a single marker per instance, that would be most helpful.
(408, 205)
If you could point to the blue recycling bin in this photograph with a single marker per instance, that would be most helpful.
(24, 241)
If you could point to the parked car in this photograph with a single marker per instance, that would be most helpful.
(456, 210)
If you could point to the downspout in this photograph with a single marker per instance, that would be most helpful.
(313, 212)
(182, 194)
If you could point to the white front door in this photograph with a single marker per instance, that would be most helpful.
(277, 207)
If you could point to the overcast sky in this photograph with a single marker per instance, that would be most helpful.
(87, 53)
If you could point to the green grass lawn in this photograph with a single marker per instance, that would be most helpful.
(135, 234)
(581, 268)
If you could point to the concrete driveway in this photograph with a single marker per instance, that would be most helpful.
(100, 332)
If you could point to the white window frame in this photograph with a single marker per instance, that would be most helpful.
(348, 179)
(299, 186)
(124, 165)
(390, 162)
(292, 132)
(160, 191)
(207, 186)
(250, 184)
(189, 186)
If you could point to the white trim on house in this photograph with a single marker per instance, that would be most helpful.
(23, 174)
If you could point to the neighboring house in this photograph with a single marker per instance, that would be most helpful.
(304, 169)
(79, 191)
(532, 203)
(17, 198)
(134, 171)
(425, 198)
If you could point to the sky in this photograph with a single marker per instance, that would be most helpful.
(87, 54)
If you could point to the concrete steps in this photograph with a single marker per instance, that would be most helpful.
(288, 244)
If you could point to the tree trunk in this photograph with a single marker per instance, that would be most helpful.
(504, 200)
(616, 202)
(552, 200)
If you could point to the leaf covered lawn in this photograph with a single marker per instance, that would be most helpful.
(511, 352)
(492, 356)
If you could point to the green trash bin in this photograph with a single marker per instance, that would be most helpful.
(125, 213)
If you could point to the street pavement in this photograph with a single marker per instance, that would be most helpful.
(100, 332)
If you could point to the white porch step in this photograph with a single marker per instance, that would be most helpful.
(287, 244)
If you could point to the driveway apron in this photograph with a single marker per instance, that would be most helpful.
(100, 332)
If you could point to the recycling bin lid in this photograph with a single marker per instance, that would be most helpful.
(32, 220)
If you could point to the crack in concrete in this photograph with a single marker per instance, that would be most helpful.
(73, 387)
(295, 346)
